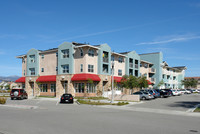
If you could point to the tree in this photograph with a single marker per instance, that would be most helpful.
(142, 82)
(129, 82)
(189, 83)
(160, 84)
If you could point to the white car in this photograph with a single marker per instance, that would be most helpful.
(188, 91)
(183, 91)
(175, 92)
(196, 90)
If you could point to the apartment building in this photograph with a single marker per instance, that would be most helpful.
(71, 67)
(85, 70)
(171, 76)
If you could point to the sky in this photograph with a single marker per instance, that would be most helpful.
(144, 26)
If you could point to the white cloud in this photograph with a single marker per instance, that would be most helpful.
(177, 38)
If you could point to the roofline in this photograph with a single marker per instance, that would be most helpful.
(118, 54)
(146, 61)
(86, 46)
(47, 51)
(21, 56)
(149, 53)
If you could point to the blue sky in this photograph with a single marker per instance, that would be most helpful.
(142, 25)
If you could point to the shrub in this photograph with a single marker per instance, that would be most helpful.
(3, 100)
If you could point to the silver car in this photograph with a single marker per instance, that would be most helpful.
(144, 95)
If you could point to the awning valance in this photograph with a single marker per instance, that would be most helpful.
(85, 77)
(47, 78)
(20, 80)
(117, 79)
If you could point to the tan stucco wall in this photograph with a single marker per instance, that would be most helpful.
(49, 63)
(29, 90)
(85, 60)
(118, 65)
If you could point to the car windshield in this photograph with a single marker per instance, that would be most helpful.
(14, 90)
(67, 95)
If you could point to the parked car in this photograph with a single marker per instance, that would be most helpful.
(66, 98)
(18, 94)
(183, 91)
(179, 92)
(144, 95)
(168, 90)
(153, 92)
(163, 93)
(195, 91)
(175, 92)
(189, 91)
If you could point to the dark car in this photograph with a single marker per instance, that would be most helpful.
(163, 93)
(169, 90)
(66, 98)
(18, 94)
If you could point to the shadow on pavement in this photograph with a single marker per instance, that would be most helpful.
(185, 104)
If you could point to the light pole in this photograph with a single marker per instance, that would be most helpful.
(112, 98)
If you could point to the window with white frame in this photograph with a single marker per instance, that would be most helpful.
(53, 87)
(91, 52)
(81, 68)
(91, 87)
(32, 58)
(81, 52)
(32, 71)
(65, 53)
(43, 88)
(120, 59)
(90, 68)
(119, 72)
(79, 87)
(65, 68)
(112, 58)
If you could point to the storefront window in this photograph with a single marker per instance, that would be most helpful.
(91, 87)
(79, 87)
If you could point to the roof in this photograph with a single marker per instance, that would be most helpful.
(192, 78)
(125, 52)
(146, 61)
(85, 77)
(119, 54)
(180, 67)
(21, 80)
(47, 78)
(150, 53)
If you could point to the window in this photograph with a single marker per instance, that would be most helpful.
(119, 72)
(91, 87)
(112, 58)
(79, 87)
(91, 52)
(105, 68)
(32, 58)
(53, 87)
(23, 60)
(65, 68)
(56, 54)
(42, 69)
(43, 88)
(81, 50)
(120, 59)
(56, 69)
(81, 68)
(65, 53)
(42, 56)
(163, 76)
(145, 65)
(23, 86)
(90, 68)
(32, 70)
(24, 72)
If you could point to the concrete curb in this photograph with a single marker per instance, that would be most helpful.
(19, 106)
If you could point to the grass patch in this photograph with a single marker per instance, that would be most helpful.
(46, 96)
(101, 103)
(197, 109)
(3, 100)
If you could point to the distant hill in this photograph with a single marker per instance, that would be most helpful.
(9, 78)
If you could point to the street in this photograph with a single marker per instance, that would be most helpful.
(50, 118)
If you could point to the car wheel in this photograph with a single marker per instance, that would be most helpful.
(143, 98)
(161, 96)
(12, 98)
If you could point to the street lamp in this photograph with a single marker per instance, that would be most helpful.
(112, 98)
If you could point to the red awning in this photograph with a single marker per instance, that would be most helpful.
(21, 80)
(84, 77)
(149, 83)
(117, 79)
(48, 78)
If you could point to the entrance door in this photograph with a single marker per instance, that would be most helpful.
(65, 86)
(32, 87)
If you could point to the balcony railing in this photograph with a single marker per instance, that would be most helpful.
(152, 70)
(131, 65)
(136, 65)
(105, 60)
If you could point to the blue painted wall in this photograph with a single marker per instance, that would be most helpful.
(134, 56)
(29, 64)
(106, 48)
(156, 59)
(64, 61)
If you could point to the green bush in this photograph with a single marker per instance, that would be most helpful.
(3, 100)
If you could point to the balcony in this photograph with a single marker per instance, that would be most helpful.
(131, 65)
(136, 65)
(105, 59)
(152, 70)
(152, 80)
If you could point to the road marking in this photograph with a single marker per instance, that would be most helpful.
(192, 109)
